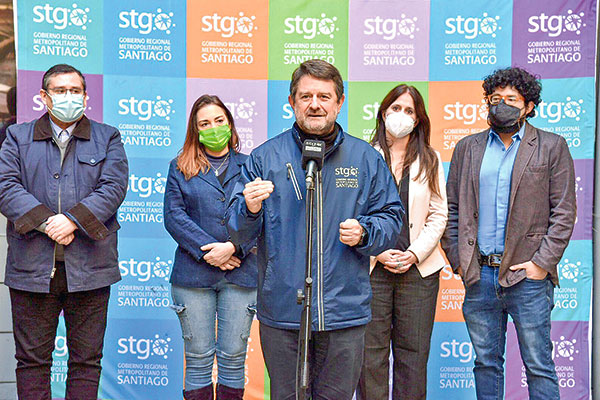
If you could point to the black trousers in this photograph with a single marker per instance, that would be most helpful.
(35, 319)
(403, 309)
(335, 361)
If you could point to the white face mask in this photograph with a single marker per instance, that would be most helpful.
(67, 107)
(399, 124)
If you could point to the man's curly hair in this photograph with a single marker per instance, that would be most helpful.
(528, 85)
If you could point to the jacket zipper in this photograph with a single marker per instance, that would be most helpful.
(320, 300)
(291, 175)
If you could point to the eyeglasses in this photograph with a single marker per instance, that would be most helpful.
(61, 91)
(510, 99)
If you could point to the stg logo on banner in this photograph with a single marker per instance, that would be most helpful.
(456, 109)
(141, 214)
(146, 186)
(471, 27)
(301, 32)
(156, 48)
(390, 28)
(60, 32)
(554, 111)
(468, 114)
(228, 26)
(145, 266)
(310, 27)
(144, 359)
(142, 348)
(228, 42)
(555, 39)
(470, 39)
(450, 366)
(150, 117)
(146, 22)
(569, 115)
(61, 17)
(147, 108)
(142, 271)
(461, 351)
(555, 25)
(389, 41)
(145, 38)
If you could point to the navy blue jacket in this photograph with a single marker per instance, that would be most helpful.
(355, 183)
(195, 216)
(92, 183)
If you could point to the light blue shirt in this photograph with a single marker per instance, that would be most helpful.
(494, 191)
(57, 129)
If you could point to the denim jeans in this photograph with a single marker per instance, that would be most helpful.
(233, 307)
(35, 319)
(486, 309)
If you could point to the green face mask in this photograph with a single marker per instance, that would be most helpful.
(215, 139)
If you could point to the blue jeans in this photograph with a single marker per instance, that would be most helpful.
(233, 307)
(486, 309)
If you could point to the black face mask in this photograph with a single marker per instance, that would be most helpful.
(504, 118)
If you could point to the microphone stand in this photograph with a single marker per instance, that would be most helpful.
(303, 368)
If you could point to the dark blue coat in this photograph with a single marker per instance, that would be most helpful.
(92, 183)
(195, 215)
(355, 182)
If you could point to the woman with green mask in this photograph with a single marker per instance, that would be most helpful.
(213, 281)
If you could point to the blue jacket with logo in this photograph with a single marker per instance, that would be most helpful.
(355, 183)
(195, 216)
(89, 187)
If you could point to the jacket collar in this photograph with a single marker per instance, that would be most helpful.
(338, 140)
(42, 129)
(526, 149)
(232, 170)
(477, 151)
(235, 162)
(528, 145)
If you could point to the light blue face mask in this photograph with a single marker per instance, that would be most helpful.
(67, 107)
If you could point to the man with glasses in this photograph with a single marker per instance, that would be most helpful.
(62, 179)
(511, 211)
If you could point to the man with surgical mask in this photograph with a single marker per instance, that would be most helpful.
(511, 212)
(62, 179)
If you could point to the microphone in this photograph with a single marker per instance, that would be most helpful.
(313, 152)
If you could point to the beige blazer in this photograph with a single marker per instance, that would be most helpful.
(427, 217)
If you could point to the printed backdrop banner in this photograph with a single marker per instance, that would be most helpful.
(146, 62)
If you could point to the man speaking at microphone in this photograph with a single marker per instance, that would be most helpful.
(358, 211)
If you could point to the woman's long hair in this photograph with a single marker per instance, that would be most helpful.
(418, 143)
(192, 157)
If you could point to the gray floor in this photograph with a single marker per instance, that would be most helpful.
(8, 389)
